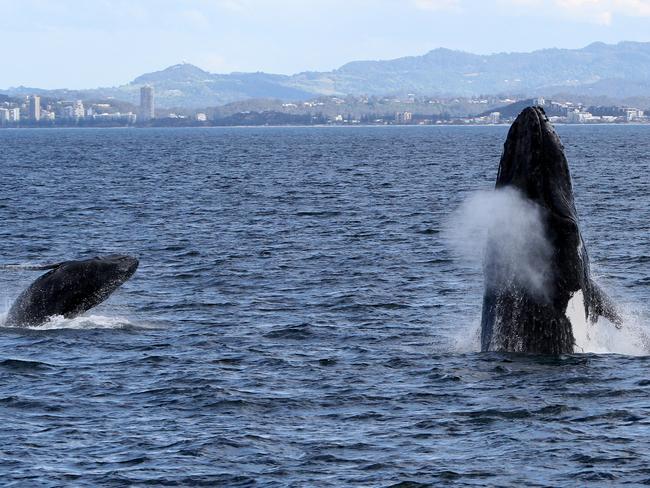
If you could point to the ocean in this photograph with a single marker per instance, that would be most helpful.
(303, 315)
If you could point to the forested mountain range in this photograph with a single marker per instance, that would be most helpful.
(615, 71)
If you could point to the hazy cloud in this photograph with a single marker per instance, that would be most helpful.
(211, 62)
(437, 5)
(233, 5)
(594, 11)
(195, 18)
(117, 40)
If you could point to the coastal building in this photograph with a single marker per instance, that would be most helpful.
(127, 118)
(494, 118)
(632, 114)
(35, 107)
(147, 108)
(201, 117)
(78, 111)
(403, 117)
(577, 116)
(9, 115)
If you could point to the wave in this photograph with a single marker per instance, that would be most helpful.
(23, 365)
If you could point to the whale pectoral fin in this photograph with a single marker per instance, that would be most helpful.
(602, 305)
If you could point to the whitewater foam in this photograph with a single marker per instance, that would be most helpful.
(603, 336)
(84, 322)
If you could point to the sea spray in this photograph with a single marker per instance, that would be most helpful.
(603, 336)
(511, 227)
(508, 226)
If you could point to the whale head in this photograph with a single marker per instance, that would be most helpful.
(533, 162)
(118, 266)
(96, 278)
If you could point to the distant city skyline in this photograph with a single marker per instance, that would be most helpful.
(76, 44)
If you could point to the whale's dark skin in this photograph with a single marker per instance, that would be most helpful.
(515, 318)
(70, 288)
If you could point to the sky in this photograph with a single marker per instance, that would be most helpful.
(92, 43)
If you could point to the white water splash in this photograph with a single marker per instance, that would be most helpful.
(603, 336)
(467, 339)
(511, 227)
(84, 322)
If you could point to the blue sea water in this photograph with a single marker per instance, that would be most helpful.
(300, 318)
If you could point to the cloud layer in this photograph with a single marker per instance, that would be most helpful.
(595, 11)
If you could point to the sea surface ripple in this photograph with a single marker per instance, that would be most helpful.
(298, 317)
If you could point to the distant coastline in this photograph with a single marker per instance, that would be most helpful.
(35, 111)
(306, 126)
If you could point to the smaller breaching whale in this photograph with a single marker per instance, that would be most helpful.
(515, 317)
(70, 288)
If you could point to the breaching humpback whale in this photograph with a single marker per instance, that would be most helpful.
(70, 288)
(515, 317)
